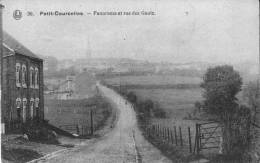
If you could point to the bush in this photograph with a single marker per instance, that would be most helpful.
(159, 113)
(132, 97)
(145, 109)
(39, 133)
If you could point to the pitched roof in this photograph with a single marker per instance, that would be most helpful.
(17, 46)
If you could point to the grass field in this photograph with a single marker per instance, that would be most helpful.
(77, 112)
(153, 80)
(176, 102)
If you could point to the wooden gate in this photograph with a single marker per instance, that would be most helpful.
(208, 136)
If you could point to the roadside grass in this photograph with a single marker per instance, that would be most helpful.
(217, 158)
(19, 149)
(19, 155)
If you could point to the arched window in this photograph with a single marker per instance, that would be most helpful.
(24, 109)
(18, 103)
(24, 76)
(18, 107)
(37, 100)
(36, 78)
(17, 74)
(31, 107)
(31, 77)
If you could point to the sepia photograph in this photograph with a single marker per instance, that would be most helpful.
(133, 81)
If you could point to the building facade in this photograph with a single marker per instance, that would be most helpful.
(22, 83)
(66, 89)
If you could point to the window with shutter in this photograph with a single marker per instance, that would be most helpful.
(24, 109)
(37, 100)
(18, 107)
(31, 77)
(36, 78)
(31, 107)
(24, 71)
(17, 75)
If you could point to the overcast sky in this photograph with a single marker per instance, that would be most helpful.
(181, 30)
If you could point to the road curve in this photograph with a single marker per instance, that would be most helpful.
(119, 144)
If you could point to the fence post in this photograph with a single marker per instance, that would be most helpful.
(168, 132)
(190, 140)
(165, 133)
(153, 130)
(180, 136)
(150, 130)
(160, 131)
(91, 122)
(175, 134)
(157, 130)
(171, 137)
(197, 139)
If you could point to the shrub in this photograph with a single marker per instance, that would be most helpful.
(39, 133)
(221, 85)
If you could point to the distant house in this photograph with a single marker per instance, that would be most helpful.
(66, 89)
(22, 83)
(80, 86)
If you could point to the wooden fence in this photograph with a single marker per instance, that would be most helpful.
(81, 130)
(206, 136)
(171, 136)
(256, 141)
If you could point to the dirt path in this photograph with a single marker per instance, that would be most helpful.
(119, 145)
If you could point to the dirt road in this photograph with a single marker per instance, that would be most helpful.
(119, 145)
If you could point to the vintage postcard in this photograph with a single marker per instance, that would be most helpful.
(110, 81)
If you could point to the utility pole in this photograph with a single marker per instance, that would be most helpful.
(1, 57)
(258, 80)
